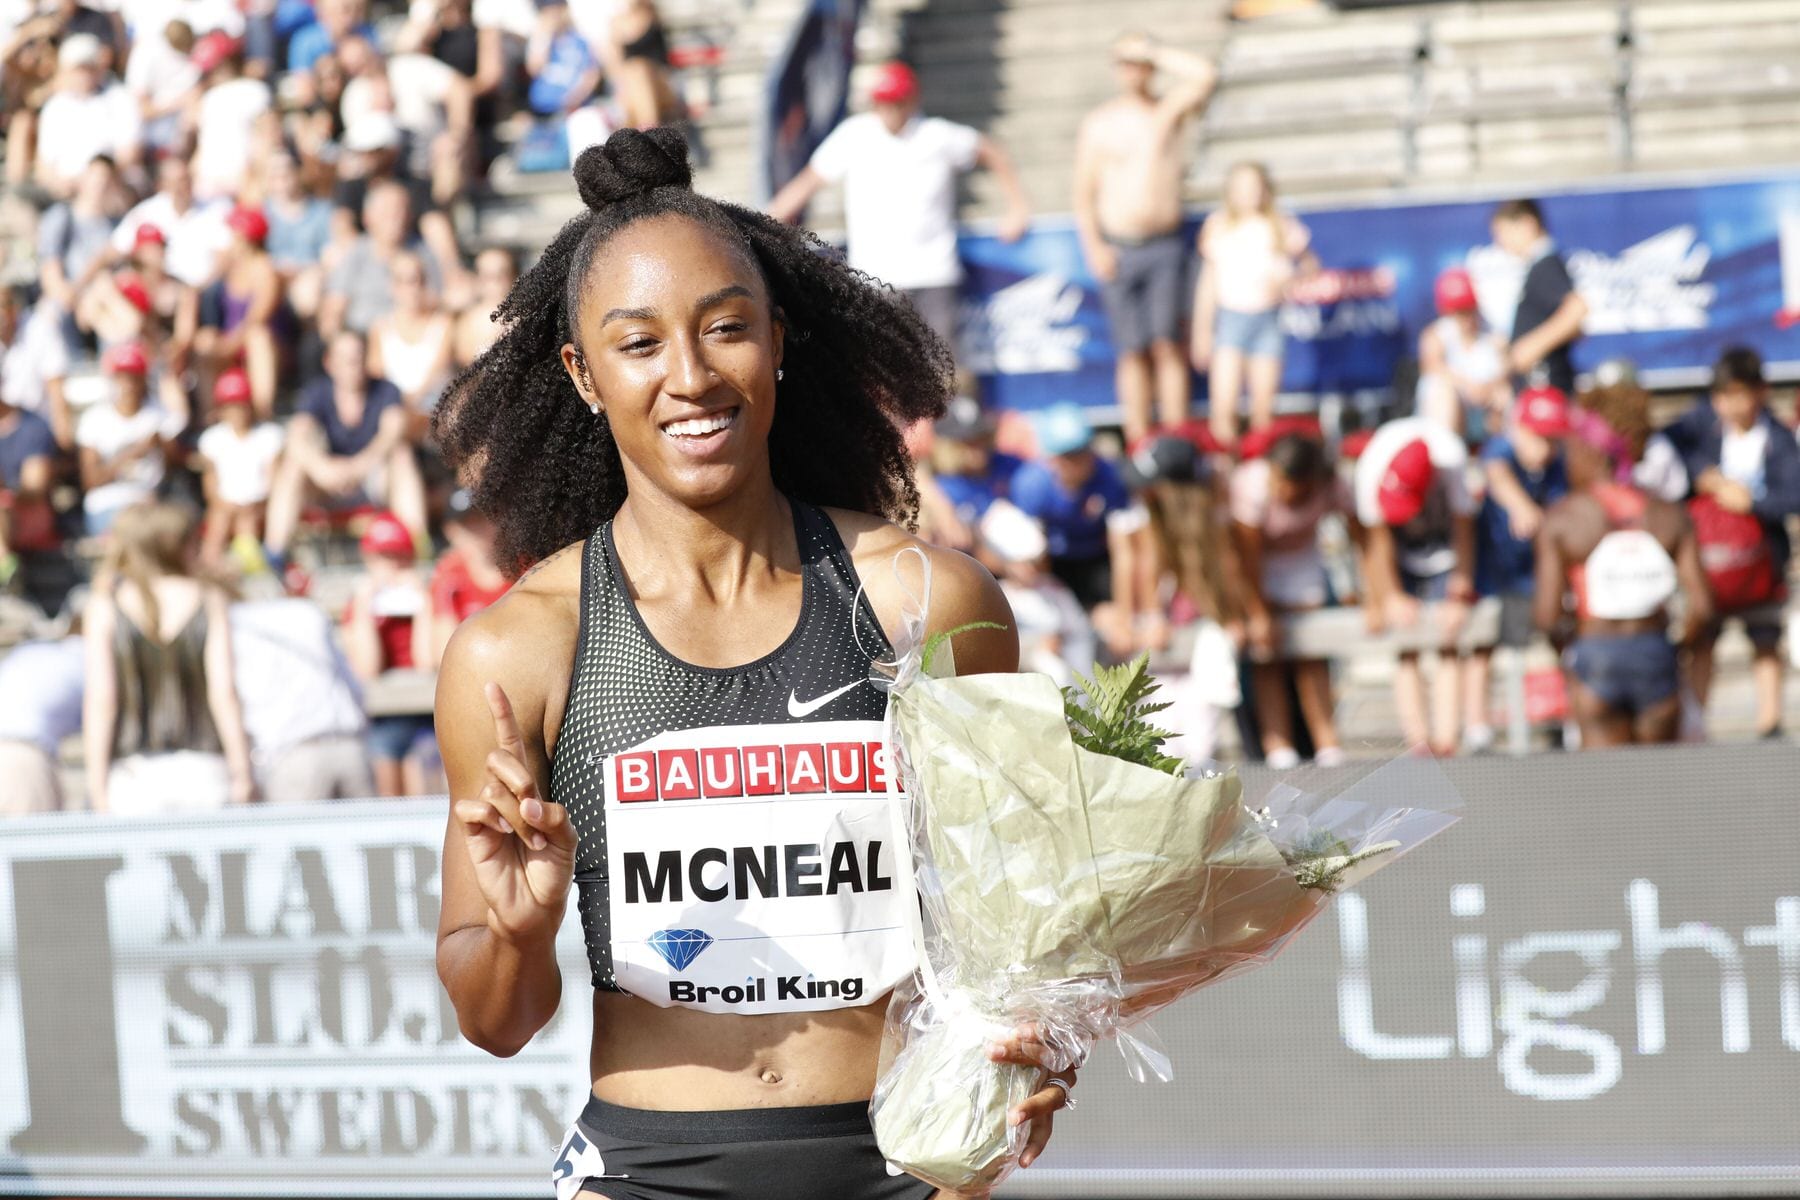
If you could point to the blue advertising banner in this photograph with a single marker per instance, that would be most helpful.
(1670, 274)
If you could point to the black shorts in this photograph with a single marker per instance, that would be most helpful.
(1144, 300)
(1089, 578)
(817, 1152)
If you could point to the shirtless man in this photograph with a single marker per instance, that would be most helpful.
(1128, 171)
(1623, 554)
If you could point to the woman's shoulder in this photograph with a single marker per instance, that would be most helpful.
(962, 590)
(509, 642)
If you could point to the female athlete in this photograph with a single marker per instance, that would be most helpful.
(692, 425)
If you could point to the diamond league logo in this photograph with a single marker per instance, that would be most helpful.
(679, 947)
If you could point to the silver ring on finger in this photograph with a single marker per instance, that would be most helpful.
(1068, 1095)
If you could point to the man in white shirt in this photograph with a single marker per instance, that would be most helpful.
(88, 115)
(899, 172)
(303, 708)
(196, 230)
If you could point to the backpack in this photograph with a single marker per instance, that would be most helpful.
(1734, 551)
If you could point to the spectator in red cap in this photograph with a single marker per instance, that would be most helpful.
(138, 300)
(899, 174)
(239, 456)
(388, 627)
(1278, 501)
(1526, 473)
(467, 577)
(123, 442)
(196, 230)
(234, 319)
(1462, 366)
(1413, 499)
(1129, 167)
(224, 115)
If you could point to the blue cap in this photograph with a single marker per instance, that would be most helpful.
(1061, 429)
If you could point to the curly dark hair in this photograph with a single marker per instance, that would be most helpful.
(859, 365)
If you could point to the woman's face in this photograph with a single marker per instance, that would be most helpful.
(1244, 191)
(678, 346)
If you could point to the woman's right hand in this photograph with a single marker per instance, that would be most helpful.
(522, 849)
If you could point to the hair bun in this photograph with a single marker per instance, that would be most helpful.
(631, 162)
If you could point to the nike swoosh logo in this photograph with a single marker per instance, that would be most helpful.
(797, 709)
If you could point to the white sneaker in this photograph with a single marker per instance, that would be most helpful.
(1331, 756)
(1478, 739)
(1284, 759)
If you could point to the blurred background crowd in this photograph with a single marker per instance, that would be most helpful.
(241, 264)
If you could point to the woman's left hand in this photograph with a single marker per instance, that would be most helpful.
(1025, 1046)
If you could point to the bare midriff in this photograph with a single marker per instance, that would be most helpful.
(682, 1059)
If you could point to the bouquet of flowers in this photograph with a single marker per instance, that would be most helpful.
(1073, 876)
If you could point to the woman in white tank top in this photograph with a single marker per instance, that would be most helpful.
(410, 347)
(1249, 253)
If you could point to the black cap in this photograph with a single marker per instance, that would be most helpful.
(1166, 458)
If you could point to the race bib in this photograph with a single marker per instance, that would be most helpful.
(752, 868)
(1629, 576)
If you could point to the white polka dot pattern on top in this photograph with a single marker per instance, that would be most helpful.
(626, 688)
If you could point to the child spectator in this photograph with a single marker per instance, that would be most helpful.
(1550, 313)
(1623, 554)
(1098, 536)
(1525, 474)
(239, 457)
(1277, 503)
(139, 301)
(1414, 503)
(1462, 366)
(969, 473)
(1250, 253)
(1744, 466)
(467, 578)
(123, 442)
(1054, 634)
(347, 445)
(388, 628)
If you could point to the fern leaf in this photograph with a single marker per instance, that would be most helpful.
(936, 641)
(1109, 714)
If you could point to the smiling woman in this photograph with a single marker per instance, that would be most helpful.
(691, 424)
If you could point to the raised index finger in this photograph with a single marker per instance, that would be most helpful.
(506, 727)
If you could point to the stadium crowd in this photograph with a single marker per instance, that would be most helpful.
(248, 292)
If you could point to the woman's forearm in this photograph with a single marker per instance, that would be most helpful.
(504, 991)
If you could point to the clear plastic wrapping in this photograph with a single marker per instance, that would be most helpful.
(1081, 893)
